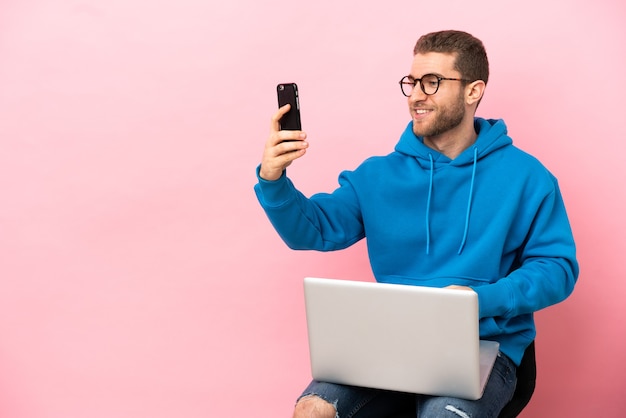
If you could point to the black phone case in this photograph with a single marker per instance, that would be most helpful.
(288, 94)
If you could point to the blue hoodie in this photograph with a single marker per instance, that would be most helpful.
(492, 219)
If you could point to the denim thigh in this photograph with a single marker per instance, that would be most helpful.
(359, 402)
(498, 392)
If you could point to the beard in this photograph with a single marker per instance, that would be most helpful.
(448, 118)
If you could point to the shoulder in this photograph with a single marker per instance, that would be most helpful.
(378, 165)
(376, 171)
(525, 169)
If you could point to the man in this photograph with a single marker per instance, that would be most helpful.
(455, 205)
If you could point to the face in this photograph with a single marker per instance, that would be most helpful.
(442, 112)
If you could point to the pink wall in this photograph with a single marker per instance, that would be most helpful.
(139, 277)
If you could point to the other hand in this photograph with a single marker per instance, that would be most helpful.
(456, 287)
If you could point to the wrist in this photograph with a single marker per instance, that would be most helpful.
(269, 175)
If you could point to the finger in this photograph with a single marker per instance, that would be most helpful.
(275, 126)
(283, 148)
(290, 146)
(456, 287)
(279, 137)
(286, 158)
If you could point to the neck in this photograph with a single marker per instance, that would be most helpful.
(452, 143)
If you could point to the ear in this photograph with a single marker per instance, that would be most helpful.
(474, 92)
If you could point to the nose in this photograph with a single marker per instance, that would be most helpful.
(417, 94)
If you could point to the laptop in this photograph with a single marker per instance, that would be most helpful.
(397, 337)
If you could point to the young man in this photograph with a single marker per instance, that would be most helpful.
(455, 205)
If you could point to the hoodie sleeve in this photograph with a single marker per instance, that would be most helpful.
(547, 271)
(323, 222)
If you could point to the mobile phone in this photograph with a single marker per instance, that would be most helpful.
(288, 94)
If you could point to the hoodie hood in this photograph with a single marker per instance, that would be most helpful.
(492, 135)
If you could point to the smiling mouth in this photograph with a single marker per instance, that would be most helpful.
(422, 112)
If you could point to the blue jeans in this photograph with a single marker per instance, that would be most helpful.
(357, 402)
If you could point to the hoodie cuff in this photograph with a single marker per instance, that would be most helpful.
(273, 192)
(494, 299)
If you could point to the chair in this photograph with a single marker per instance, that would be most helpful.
(526, 378)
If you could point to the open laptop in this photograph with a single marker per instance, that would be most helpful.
(397, 337)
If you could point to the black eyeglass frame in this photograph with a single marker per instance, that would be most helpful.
(402, 82)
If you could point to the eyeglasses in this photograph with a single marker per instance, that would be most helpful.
(429, 83)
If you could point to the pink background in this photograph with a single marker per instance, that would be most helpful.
(138, 275)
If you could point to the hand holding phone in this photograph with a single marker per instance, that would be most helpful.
(283, 147)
